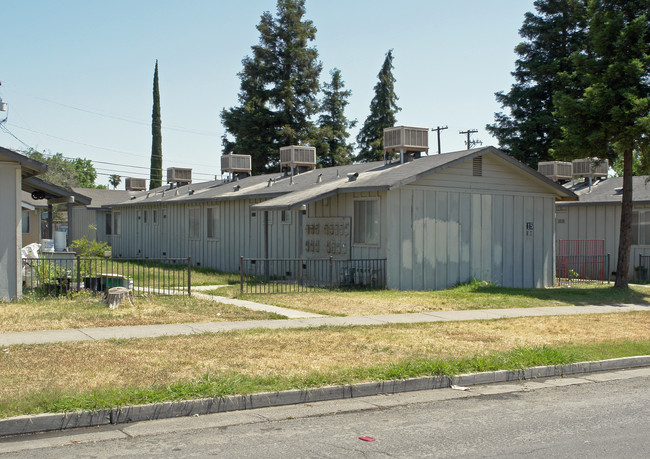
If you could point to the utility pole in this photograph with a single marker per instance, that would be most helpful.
(471, 143)
(438, 129)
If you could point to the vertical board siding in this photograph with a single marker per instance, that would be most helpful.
(465, 236)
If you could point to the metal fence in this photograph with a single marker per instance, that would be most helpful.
(53, 276)
(577, 269)
(642, 268)
(290, 275)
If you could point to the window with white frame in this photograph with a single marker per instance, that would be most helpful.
(194, 222)
(366, 222)
(212, 217)
(641, 228)
(146, 216)
(154, 216)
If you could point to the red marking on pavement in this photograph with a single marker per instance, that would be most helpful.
(366, 438)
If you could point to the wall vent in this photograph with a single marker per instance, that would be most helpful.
(477, 167)
(135, 184)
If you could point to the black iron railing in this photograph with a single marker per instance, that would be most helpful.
(61, 274)
(583, 268)
(289, 275)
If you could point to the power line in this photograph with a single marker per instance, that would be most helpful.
(122, 118)
(471, 143)
(438, 129)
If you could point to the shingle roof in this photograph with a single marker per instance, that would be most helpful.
(285, 192)
(100, 197)
(610, 191)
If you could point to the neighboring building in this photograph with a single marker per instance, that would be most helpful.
(94, 220)
(438, 220)
(597, 215)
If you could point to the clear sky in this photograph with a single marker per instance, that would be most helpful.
(77, 75)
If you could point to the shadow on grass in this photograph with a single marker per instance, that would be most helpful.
(581, 295)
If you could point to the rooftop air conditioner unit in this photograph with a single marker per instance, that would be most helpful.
(590, 167)
(555, 170)
(179, 175)
(236, 164)
(298, 156)
(407, 138)
(135, 184)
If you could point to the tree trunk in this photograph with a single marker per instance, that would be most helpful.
(116, 295)
(625, 239)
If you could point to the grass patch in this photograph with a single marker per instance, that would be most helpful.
(84, 310)
(103, 374)
(476, 295)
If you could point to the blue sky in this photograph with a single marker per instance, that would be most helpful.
(77, 75)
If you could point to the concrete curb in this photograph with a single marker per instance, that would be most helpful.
(21, 425)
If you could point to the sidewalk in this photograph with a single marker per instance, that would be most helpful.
(296, 319)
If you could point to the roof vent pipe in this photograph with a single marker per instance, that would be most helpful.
(236, 188)
(353, 177)
(320, 178)
(270, 184)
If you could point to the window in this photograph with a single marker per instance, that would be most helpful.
(194, 220)
(109, 224)
(213, 222)
(154, 215)
(366, 222)
(285, 217)
(641, 228)
(117, 223)
(146, 216)
(25, 219)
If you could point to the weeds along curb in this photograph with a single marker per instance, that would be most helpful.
(21, 425)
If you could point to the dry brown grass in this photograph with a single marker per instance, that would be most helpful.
(86, 310)
(471, 296)
(142, 362)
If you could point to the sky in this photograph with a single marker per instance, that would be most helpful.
(77, 75)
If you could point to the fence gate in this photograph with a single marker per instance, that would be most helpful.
(582, 260)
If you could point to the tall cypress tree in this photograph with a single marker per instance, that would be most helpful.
(552, 35)
(383, 109)
(155, 173)
(332, 145)
(279, 88)
(611, 116)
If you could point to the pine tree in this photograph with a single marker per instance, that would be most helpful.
(155, 173)
(612, 115)
(332, 145)
(383, 109)
(552, 35)
(279, 88)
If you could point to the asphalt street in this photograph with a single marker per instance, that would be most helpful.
(603, 414)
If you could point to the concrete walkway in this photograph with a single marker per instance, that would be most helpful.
(301, 320)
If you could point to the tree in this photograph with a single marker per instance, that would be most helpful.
(611, 117)
(383, 109)
(66, 172)
(544, 58)
(331, 144)
(114, 180)
(155, 173)
(279, 88)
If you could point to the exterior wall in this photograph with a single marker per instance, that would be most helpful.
(598, 222)
(240, 233)
(80, 224)
(445, 238)
(455, 227)
(10, 231)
